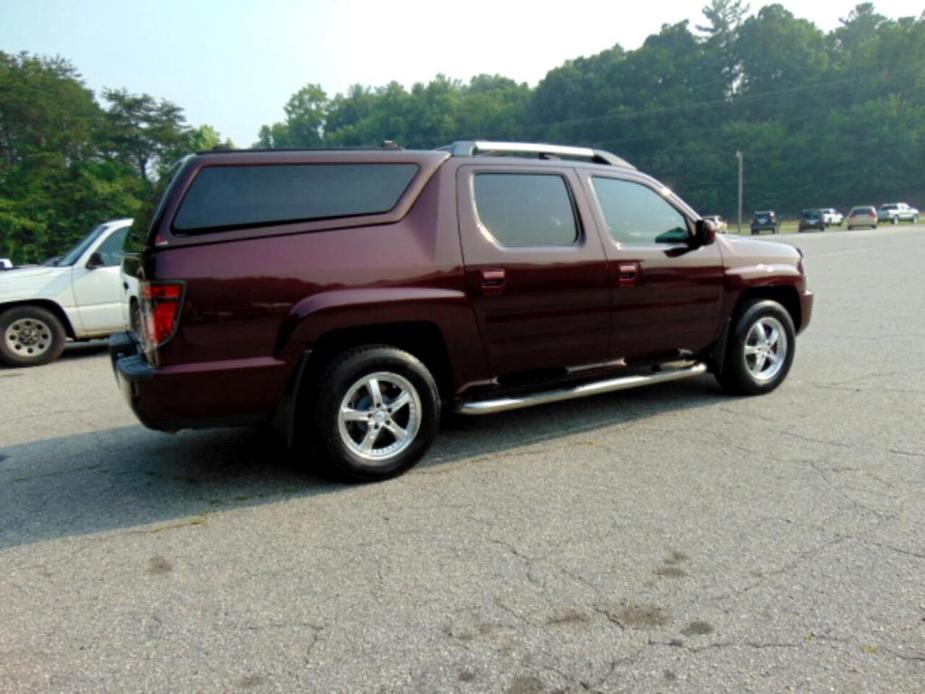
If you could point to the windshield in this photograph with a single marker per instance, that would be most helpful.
(889, 207)
(78, 250)
(811, 213)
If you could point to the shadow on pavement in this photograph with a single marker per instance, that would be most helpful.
(127, 477)
(91, 348)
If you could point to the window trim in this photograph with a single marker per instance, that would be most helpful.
(659, 189)
(199, 232)
(580, 230)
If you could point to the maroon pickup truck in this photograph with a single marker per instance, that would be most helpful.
(348, 297)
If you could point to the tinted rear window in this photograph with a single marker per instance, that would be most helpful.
(526, 209)
(224, 197)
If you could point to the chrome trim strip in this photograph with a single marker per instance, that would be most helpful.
(533, 148)
(479, 407)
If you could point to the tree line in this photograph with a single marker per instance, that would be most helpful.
(69, 161)
(822, 119)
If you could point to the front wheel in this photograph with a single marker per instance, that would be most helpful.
(760, 350)
(30, 336)
(374, 413)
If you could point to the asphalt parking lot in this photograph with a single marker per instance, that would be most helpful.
(666, 539)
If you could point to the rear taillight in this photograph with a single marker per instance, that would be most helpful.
(161, 302)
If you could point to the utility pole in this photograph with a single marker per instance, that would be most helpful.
(739, 226)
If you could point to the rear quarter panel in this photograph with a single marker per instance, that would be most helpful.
(264, 300)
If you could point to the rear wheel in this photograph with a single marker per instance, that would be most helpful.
(760, 350)
(30, 336)
(374, 413)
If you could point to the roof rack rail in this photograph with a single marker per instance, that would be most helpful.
(386, 145)
(473, 148)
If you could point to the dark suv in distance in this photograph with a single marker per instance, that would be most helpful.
(348, 297)
(765, 220)
(812, 219)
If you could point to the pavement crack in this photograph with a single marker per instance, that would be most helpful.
(785, 568)
(850, 499)
(678, 643)
(511, 611)
(899, 451)
(917, 657)
(610, 616)
(891, 548)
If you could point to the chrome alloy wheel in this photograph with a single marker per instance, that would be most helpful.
(379, 416)
(28, 337)
(765, 349)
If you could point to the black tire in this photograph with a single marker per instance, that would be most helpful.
(327, 434)
(738, 373)
(30, 336)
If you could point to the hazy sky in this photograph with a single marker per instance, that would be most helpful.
(234, 63)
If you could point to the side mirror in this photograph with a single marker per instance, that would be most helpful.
(94, 261)
(705, 232)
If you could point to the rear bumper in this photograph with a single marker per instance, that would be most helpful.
(196, 396)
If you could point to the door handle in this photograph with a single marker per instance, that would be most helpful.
(627, 274)
(493, 281)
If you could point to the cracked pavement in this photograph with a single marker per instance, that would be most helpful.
(667, 539)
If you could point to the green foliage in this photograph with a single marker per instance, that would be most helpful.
(822, 119)
(67, 164)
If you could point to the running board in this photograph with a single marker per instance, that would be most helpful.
(610, 385)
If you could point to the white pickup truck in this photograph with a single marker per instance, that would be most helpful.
(79, 295)
(896, 212)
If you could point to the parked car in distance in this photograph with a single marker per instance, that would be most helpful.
(896, 212)
(348, 297)
(832, 217)
(6, 264)
(812, 219)
(862, 216)
(77, 295)
(765, 221)
(719, 223)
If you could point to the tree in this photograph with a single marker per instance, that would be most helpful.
(723, 17)
(143, 131)
(304, 124)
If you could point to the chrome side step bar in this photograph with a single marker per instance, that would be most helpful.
(477, 407)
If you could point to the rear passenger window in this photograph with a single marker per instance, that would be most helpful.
(637, 214)
(526, 209)
(224, 197)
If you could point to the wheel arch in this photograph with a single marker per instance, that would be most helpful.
(786, 296)
(422, 339)
(49, 305)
